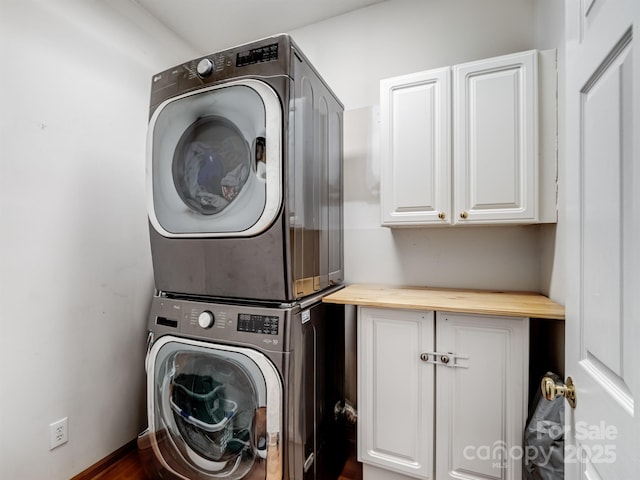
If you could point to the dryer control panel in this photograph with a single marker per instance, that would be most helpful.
(252, 56)
(268, 57)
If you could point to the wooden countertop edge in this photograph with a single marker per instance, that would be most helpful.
(487, 302)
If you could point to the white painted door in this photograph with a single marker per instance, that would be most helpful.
(415, 140)
(481, 396)
(602, 209)
(395, 391)
(495, 152)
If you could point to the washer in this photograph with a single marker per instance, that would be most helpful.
(244, 173)
(240, 391)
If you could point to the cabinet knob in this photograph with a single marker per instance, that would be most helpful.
(464, 215)
(442, 215)
(424, 357)
(444, 359)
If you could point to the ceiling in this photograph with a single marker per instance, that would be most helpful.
(209, 25)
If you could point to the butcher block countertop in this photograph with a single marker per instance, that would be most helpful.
(486, 302)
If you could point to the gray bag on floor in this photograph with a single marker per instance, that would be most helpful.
(544, 438)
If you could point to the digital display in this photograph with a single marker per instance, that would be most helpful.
(257, 55)
(258, 323)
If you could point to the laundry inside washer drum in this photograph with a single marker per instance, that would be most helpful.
(205, 417)
(211, 164)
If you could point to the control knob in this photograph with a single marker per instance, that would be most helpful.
(205, 67)
(206, 319)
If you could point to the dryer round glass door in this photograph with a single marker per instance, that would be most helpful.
(215, 161)
(214, 411)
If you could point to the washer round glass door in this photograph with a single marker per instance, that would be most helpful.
(214, 410)
(215, 161)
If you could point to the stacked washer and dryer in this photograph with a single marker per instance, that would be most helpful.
(245, 363)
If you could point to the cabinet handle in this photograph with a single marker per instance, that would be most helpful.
(464, 215)
(443, 359)
(442, 215)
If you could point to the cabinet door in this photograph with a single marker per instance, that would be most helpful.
(395, 390)
(415, 185)
(481, 396)
(495, 145)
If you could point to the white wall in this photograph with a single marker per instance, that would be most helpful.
(75, 272)
(75, 269)
(353, 52)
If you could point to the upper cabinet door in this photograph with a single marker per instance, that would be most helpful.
(496, 141)
(416, 148)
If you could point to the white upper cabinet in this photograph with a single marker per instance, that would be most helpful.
(495, 145)
(416, 147)
(460, 145)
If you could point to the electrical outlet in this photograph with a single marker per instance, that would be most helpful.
(58, 433)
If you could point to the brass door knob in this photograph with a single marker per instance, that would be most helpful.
(551, 391)
(464, 215)
(442, 215)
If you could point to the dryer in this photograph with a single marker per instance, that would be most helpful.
(244, 392)
(244, 173)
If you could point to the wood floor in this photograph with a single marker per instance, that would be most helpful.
(125, 465)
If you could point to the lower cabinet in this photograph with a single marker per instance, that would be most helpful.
(441, 395)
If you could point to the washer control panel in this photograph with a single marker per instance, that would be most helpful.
(266, 324)
(206, 319)
(263, 326)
